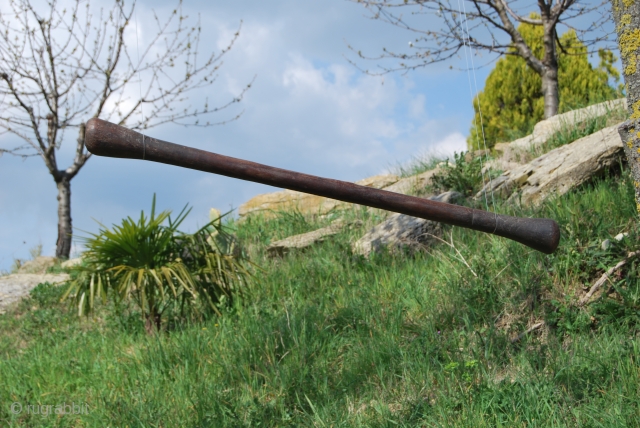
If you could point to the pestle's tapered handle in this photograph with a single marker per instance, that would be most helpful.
(107, 139)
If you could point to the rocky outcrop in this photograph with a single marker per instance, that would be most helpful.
(71, 263)
(270, 203)
(304, 240)
(546, 128)
(559, 170)
(414, 184)
(38, 265)
(379, 181)
(401, 230)
(15, 287)
(519, 152)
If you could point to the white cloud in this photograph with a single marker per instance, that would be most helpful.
(455, 142)
(255, 42)
(358, 105)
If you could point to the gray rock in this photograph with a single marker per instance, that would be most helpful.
(620, 236)
(283, 246)
(546, 128)
(71, 262)
(449, 197)
(560, 170)
(517, 152)
(38, 265)
(15, 287)
(413, 184)
(401, 230)
(606, 244)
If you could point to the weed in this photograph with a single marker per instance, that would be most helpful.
(464, 176)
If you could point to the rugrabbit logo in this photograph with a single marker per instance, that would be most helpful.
(72, 408)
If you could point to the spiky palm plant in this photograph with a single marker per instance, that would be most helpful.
(157, 267)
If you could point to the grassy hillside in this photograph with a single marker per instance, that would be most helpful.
(326, 338)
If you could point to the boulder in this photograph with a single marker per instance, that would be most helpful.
(501, 148)
(559, 170)
(38, 265)
(283, 246)
(270, 203)
(15, 287)
(401, 230)
(284, 200)
(71, 262)
(546, 128)
(379, 181)
(414, 184)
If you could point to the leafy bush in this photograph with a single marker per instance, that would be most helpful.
(464, 176)
(46, 294)
(158, 268)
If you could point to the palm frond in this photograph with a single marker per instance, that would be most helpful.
(156, 265)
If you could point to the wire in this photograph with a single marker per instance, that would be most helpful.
(144, 143)
(467, 45)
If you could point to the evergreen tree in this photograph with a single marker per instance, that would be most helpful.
(512, 101)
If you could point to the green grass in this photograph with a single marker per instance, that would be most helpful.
(418, 165)
(327, 338)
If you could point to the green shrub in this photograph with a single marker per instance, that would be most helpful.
(462, 176)
(159, 268)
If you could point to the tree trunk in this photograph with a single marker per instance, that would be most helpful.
(550, 92)
(63, 246)
(627, 19)
(550, 71)
(152, 324)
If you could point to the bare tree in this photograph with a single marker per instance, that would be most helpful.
(487, 25)
(627, 18)
(60, 67)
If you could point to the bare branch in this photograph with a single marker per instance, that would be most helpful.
(59, 68)
(28, 110)
(518, 17)
(68, 54)
(489, 21)
(605, 276)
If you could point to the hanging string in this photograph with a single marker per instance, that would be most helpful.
(467, 45)
(144, 143)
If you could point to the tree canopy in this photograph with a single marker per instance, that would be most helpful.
(512, 101)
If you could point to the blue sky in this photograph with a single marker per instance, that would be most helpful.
(308, 110)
